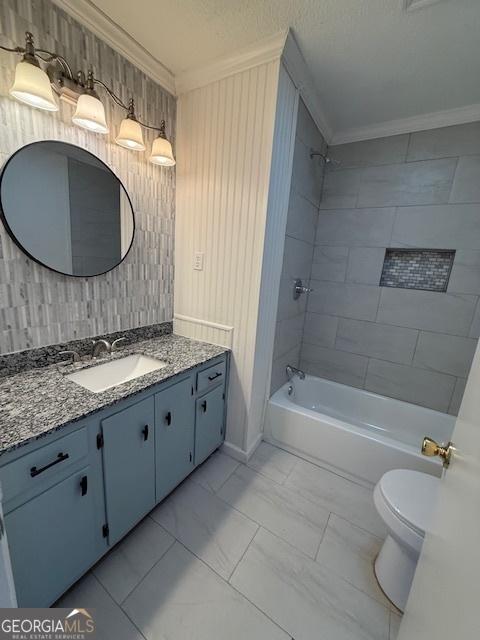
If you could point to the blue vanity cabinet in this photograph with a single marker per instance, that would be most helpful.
(128, 467)
(52, 539)
(174, 435)
(209, 423)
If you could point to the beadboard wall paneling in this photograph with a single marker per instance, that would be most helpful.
(39, 307)
(278, 200)
(224, 155)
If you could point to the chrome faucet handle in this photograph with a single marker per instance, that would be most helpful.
(74, 354)
(299, 288)
(114, 346)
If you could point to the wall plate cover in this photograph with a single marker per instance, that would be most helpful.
(198, 261)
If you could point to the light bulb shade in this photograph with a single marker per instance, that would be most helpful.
(130, 135)
(162, 153)
(90, 114)
(32, 86)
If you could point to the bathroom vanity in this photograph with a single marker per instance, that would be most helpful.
(80, 469)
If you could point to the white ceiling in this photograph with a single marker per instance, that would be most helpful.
(371, 60)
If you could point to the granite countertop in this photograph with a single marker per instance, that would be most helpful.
(39, 401)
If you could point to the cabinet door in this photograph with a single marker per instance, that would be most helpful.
(52, 540)
(174, 436)
(129, 467)
(209, 423)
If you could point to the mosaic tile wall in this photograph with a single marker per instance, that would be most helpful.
(39, 307)
(424, 269)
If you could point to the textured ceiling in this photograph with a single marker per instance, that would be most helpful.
(371, 61)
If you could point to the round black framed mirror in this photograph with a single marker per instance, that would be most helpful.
(66, 209)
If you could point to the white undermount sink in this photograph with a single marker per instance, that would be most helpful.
(110, 374)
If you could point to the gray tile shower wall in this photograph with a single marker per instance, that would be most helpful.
(418, 190)
(299, 245)
(39, 307)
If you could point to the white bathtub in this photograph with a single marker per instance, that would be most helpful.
(353, 432)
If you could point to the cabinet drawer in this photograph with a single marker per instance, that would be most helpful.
(211, 377)
(44, 467)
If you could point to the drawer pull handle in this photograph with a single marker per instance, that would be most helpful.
(84, 485)
(204, 406)
(216, 375)
(60, 458)
(168, 418)
(145, 432)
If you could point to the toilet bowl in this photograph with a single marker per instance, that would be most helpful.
(404, 500)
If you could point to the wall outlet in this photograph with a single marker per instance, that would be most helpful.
(198, 261)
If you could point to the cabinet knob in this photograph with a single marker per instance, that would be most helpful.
(145, 432)
(204, 406)
(168, 418)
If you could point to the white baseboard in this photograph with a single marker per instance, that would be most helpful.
(240, 454)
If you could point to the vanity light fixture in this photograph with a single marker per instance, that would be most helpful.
(130, 135)
(162, 153)
(33, 86)
(90, 112)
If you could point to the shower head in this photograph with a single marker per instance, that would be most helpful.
(325, 158)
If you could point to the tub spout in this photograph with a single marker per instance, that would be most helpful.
(293, 371)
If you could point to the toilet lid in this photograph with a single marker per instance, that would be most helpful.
(411, 496)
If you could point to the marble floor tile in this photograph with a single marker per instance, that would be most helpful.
(110, 620)
(280, 510)
(182, 599)
(304, 598)
(127, 563)
(214, 471)
(272, 462)
(350, 552)
(207, 526)
(395, 620)
(334, 493)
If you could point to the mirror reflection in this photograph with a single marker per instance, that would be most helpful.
(66, 209)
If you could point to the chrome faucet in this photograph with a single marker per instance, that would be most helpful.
(293, 371)
(99, 346)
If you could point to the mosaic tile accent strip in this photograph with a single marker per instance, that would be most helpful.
(39, 307)
(425, 269)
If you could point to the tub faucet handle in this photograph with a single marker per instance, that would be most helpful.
(432, 448)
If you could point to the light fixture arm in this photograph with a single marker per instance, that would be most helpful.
(130, 108)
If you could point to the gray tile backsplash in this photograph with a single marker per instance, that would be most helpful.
(39, 307)
(410, 191)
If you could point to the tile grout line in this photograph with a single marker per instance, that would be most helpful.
(322, 537)
(243, 555)
(119, 606)
(226, 582)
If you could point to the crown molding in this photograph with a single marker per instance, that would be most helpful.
(434, 120)
(267, 50)
(297, 69)
(102, 26)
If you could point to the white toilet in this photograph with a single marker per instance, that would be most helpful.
(404, 499)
